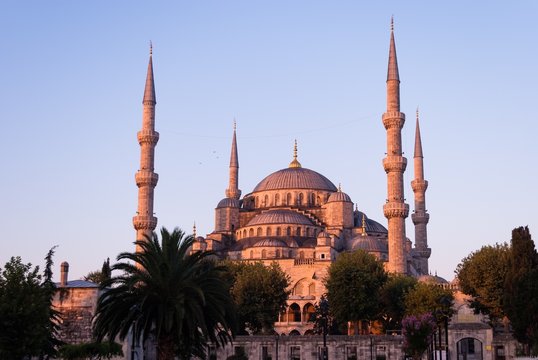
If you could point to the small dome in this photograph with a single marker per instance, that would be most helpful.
(432, 279)
(339, 196)
(279, 217)
(324, 234)
(228, 202)
(270, 243)
(295, 178)
(369, 244)
(200, 239)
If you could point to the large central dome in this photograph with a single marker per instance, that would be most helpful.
(295, 178)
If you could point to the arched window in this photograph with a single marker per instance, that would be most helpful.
(294, 313)
(266, 201)
(288, 199)
(290, 254)
(244, 233)
(307, 231)
(301, 254)
(301, 199)
(264, 254)
(298, 231)
(278, 231)
(268, 231)
(251, 232)
(257, 202)
(259, 231)
(312, 289)
(318, 201)
(315, 232)
(277, 252)
(277, 199)
(288, 231)
(251, 254)
(309, 312)
(312, 199)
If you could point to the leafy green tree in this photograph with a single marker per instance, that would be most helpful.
(260, 294)
(521, 294)
(482, 275)
(101, 276)
(27, 320)
(392, 298)
(320, 314)
(429, 298)
(181, 300)
(353, 285)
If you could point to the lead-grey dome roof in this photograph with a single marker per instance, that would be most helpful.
(339, 196)
(272, 242)
(369, 244)
(295, 178)
(228, 202)
(279, 217)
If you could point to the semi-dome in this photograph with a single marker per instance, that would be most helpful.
(372, 226)
(280, 217)
(228, 202)
(271, 242)
(339, 196)
(295, 178)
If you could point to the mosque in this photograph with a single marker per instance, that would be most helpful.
(298, 217)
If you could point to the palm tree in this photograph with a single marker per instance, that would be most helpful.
(181, 300)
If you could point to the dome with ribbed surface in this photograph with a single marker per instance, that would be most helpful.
(228, 202)
(295, 178)
(270, 243)
(279, 217)
(369, 244)
(339, 196)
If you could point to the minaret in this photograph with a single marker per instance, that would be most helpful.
(420, 216)
(233, 189)
(146, 179)
(395, 209)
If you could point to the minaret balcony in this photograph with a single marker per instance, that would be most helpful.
(395, 210)
(146, 178)
(141, 222)
(422, 252)
(147, 137)
(419, 185)
(393, 119)
(420, 217)
(393, 163)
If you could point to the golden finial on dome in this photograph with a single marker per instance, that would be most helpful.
(364, 225)
(194, 230)
(339, 187)
(235, 125)
(295, 163)
(392, 23)
(150, 48)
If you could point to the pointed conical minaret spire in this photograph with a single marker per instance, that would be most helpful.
(420, 217)
(146, 179)
(233, 183)
(395, 209)
(295, 163)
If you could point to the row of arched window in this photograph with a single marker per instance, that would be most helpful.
(295, 314)
(287, 199)
(277, 231)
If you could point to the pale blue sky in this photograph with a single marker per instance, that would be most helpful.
(72, 84)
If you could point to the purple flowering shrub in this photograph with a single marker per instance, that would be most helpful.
(417, 331)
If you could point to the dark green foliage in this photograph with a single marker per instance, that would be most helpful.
(260, 294)
(27, 321)
(482, 275)
(101, 276)
(94, 350)
(521, 293)
(180, 299)
(392, 298)
(333, 327)
(429, 298)
(353, 285)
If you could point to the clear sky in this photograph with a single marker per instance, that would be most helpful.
(73, 76)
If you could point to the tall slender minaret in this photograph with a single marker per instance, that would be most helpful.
(395, 209)
(233, 191)
(420, 216)
(146, 179)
